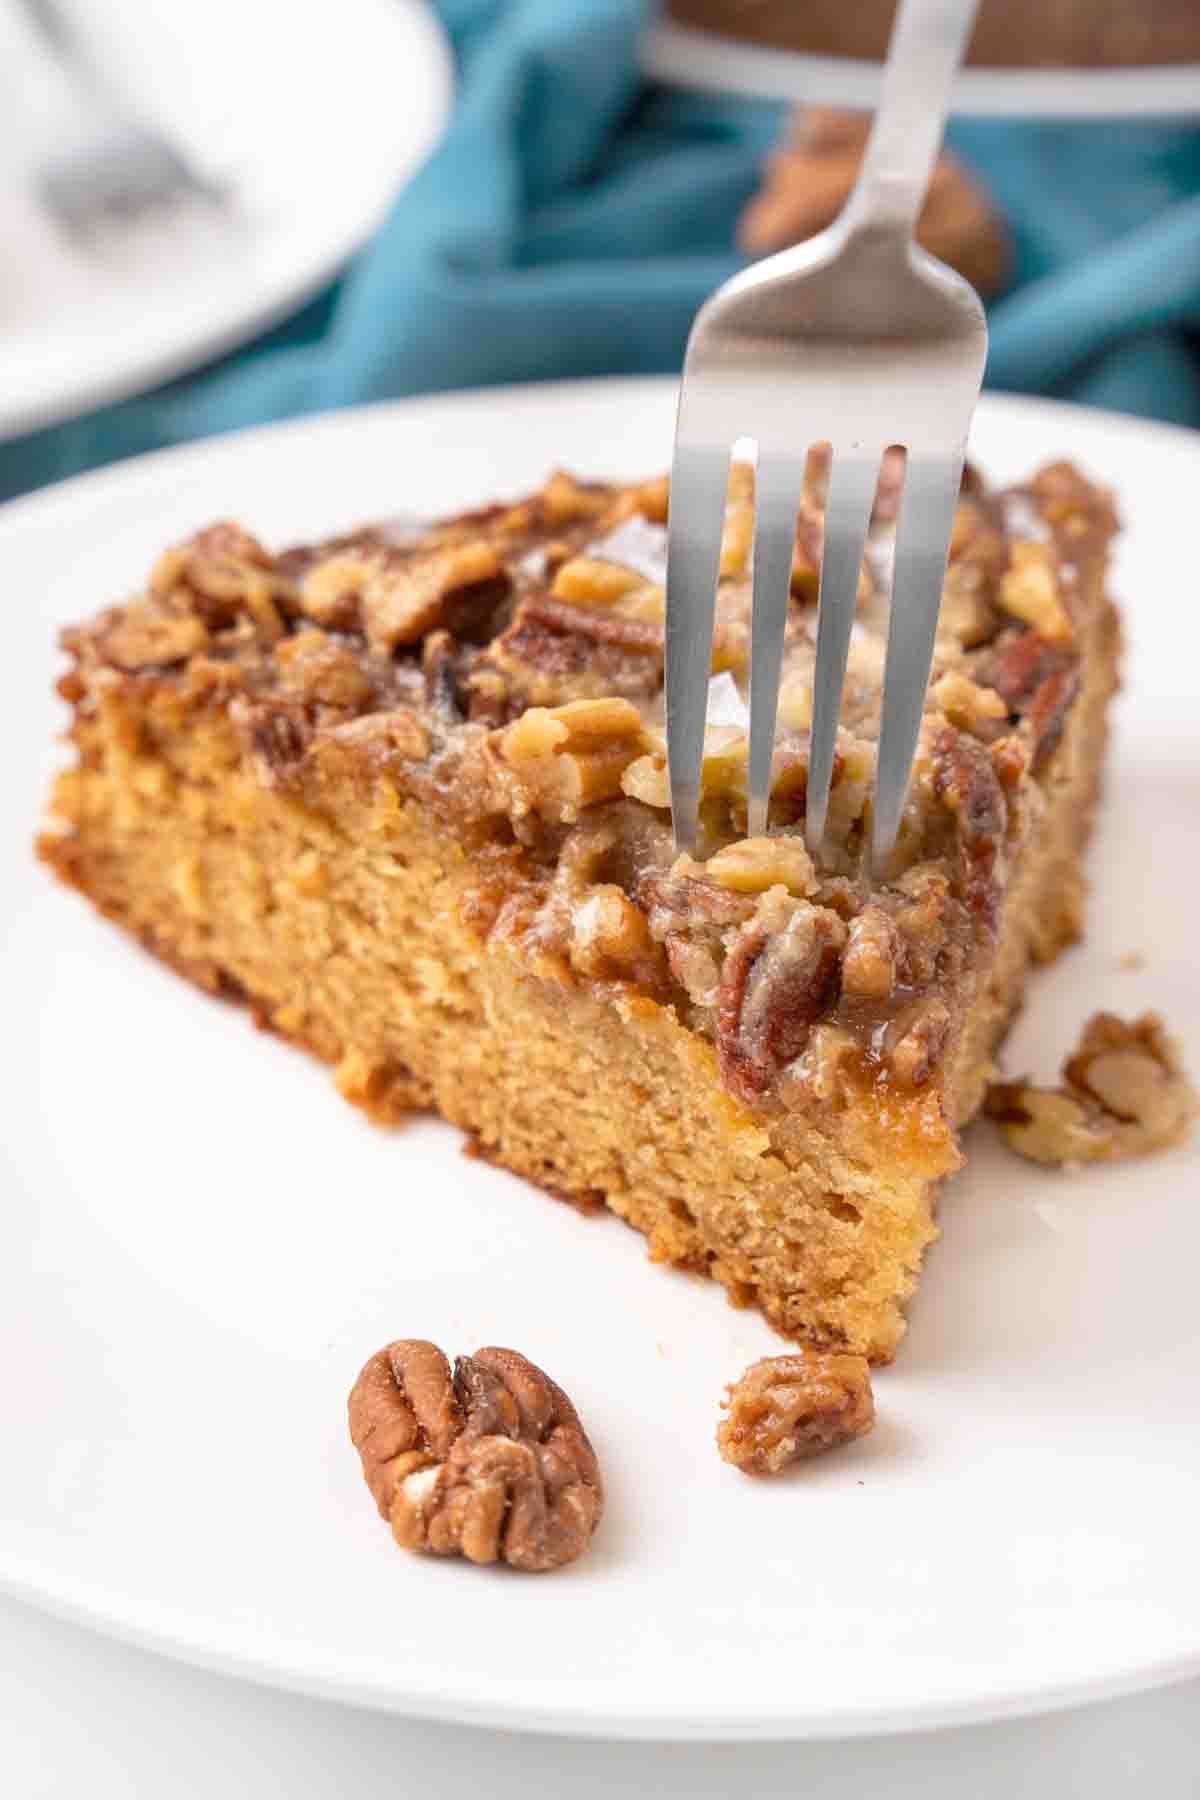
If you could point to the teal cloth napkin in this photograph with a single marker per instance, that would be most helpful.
(573, 218)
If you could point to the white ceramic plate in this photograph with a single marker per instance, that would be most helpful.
(200, 1244)
(704, 59)
(315, 115)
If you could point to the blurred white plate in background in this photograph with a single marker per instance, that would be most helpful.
(316, 114)
(200, 1243)
(707, 59)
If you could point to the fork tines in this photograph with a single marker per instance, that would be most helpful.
(699, 480)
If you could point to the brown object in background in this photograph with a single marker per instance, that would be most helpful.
(490, 1462)
(788, 1408)
(1125, 1093)
(809, 180)
(1025, 34)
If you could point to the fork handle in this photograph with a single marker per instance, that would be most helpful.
(927, 45)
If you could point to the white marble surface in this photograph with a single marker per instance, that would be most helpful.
(81, 1714)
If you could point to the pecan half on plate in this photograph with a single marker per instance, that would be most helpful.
(488, 1461)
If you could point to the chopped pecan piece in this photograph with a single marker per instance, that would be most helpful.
(787, 1408)
(1029, 591)
(777, 980)
(490, 1462)
(965, 780)
(554, 651)
(919, 1045)
(565, 758)
(872, 952)
(966, 705)
(1038, 679)
(753, 865)
(406, 597)
(1124, 1093)
(320, 671)
(144, 635)
(222, 574)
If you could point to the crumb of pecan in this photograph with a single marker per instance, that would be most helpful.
(1029, 591)
(488, 1461)
(965, 780)
(753, 865)
(787, 1408)
(1124, 1093)
(558, 760)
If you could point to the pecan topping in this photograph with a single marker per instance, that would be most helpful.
(965, 780)
(920, 1044)
(558, 761)
(787, 1408)
(1124, 1093)
(872, 951)
(220, 575)
(145, 635)
(319, 670)
(777, 980)
(1029, 590)
(1038, 679)
(554, 652)
(276, 734)
(753, 865)
(490, 1462)
(405, 597)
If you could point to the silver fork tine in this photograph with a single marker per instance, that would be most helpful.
(777, 486)
(699, 481)
(922, 547)
(852, 482)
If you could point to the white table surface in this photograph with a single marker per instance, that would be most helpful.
(81, 1714)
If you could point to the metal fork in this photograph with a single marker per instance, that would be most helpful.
(859, 339)
(110, 166)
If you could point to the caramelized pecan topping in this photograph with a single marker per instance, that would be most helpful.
(787, 1408)
(490, 1462)
(778, 978)
(965, 780)
(1038, 679)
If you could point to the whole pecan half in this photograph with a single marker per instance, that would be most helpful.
(489, 1461)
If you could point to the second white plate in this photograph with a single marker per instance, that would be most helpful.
(317, 117)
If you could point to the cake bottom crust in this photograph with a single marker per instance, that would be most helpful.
(347, 935)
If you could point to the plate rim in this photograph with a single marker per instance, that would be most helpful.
(503, 1704)
(506, 1705)
(179, 459)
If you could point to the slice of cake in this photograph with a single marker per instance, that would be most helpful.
(407, 798)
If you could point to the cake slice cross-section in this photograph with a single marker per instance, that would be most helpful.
(405, 795)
